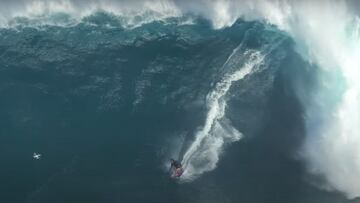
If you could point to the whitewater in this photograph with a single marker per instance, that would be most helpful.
(203, 154)
(325, 33)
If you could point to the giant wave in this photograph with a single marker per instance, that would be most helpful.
(326, 34)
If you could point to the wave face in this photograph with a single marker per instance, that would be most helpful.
(111, 88)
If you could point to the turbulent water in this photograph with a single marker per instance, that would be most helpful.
(259, 100)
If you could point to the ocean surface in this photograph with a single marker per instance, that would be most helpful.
(107, 105)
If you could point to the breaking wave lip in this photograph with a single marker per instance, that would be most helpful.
(203, 153)
(333, 116)
(70, 13)
(105, 19)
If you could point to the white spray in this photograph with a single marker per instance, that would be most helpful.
(203, 154)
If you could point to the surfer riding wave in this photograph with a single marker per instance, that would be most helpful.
(176, 169)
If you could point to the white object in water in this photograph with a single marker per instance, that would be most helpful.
(36, 156)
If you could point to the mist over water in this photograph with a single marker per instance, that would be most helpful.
(197, 81)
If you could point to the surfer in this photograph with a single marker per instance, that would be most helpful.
(176, 169)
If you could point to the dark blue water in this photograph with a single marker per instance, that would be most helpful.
(103, 103)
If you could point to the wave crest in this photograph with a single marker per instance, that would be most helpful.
(129, 14)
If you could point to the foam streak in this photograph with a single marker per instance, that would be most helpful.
(203, 153)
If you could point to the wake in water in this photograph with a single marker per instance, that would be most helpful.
(203, 153)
